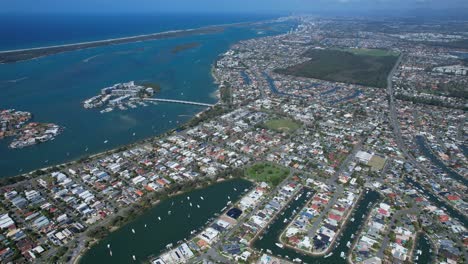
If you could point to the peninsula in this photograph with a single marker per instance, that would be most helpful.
(28, 54)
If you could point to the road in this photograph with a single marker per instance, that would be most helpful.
(399, 140)
(213, 252)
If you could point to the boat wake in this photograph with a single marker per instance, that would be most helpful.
(16, 80)
(90, 58)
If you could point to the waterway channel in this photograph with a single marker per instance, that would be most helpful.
(422, 144)
(423, 251)
(147, 235)
(438, 202)
(271, 237)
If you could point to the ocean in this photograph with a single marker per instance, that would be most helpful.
(37, 30)
(53, 88)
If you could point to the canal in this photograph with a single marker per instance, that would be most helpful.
(271, 237)
(440, 203)
(422, 144)
(423, 250)
(179, 216)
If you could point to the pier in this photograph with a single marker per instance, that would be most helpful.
(177, 101)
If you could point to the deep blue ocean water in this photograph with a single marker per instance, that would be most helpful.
(53, 88)
(37, 30)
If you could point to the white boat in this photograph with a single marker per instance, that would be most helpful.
(159, 218)
(201, 197)
(110, 253)
(224, 208)
(298, 260)
(285, 220)
(348, 244)
(134, 258)
(190, 204)
(108, 245)
(279, 245)
(329, 255)
(342, 254)
(133, 231)
(228, 203)
(268, 251)
(105, 141)
(235, 189)
(169, 212)
(352, 219)
(188, 197)
(145, 225)
(134, 134)
(198, 206)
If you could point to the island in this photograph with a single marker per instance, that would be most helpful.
(15, 124)
(120, 95)
(309, 169)
(28, 54)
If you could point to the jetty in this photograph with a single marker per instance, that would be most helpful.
(177, 101)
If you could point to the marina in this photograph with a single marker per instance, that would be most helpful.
(70, 81)
(167, 231)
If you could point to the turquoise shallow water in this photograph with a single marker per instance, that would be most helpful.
(53, 87)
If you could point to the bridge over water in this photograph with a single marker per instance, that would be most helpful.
(178, 101)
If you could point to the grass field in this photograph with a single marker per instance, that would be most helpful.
(357, 66)
(272, 174)
(282, 125)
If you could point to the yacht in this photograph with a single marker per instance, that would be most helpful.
(279, 245)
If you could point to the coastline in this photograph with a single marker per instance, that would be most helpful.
(17, 55)
(19, 178)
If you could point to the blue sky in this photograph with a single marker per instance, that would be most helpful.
(209, 6)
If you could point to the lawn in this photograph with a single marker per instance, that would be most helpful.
(272, 174)
(358, 66)
(282, 125)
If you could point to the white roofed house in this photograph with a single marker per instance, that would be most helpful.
(5, 221)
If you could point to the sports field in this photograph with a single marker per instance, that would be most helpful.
(270, 173)
(282, 125)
